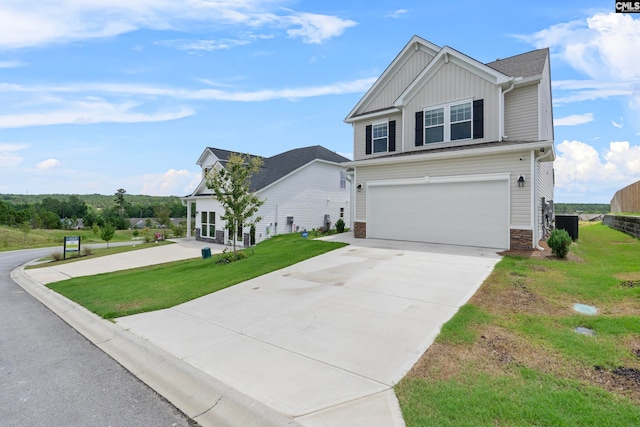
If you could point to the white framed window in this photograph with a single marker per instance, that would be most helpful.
(460, 119)
(434, 125)
(448, 122)
(380, 137)
(208, 224)
(343, 179)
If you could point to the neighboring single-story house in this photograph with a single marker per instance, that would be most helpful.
(451, 150)
(302, 188)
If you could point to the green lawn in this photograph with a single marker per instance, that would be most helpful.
(511, 356)
(13, 238)
(128, 292)
(99, 252)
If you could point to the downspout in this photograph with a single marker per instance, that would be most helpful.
(534, 193)
(504, 92)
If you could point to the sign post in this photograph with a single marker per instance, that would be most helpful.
(71, 244)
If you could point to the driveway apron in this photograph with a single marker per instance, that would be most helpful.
(325, 340)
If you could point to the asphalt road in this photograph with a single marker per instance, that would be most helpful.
(51, 375)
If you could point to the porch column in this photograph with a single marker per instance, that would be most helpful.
(189, 218)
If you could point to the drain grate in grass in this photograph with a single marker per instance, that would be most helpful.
(630, 283)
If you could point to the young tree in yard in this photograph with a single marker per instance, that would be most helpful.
(120, 200)
(231, 186)
(107, 232)
(163, 215)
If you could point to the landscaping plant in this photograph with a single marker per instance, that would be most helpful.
(559, 242)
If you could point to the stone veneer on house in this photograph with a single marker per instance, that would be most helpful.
(360, 230)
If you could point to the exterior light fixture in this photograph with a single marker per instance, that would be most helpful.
(521, 181)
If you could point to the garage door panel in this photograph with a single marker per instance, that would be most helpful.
(461, 213)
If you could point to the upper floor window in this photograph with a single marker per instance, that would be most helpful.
(343, 179)
(461, 121)
(451, 122)
(434, 125)
(380, 138)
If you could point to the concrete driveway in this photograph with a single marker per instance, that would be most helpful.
(325, 340)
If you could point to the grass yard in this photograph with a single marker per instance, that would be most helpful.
(512, 357)
(13, 238)
(152, 288)
(96, 253)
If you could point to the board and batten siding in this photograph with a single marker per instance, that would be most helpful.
(521, 114)
(449, 84)
(306, 195)
(359, 136)
(546, 109)
(496, 163)
(390, 89)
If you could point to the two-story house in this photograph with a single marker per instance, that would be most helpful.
(301, 188)
(450, 150)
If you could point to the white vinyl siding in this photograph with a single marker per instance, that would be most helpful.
(307, 195)
(521, 114)
(546, 109)
(495, 163)
(452, 84)
(389, 90)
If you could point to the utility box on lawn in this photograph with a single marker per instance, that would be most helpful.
(206, 253)
(568, 223)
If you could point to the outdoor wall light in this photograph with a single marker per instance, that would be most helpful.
(521, 181)
(359, 187)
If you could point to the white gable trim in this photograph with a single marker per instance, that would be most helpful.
(416, 43)
(445, 56)
(373, 114)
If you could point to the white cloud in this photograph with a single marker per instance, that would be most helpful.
(88, 112)
(397, 13)
(618, 125)
(573, 120)
(203, 45)
(12, 64)
(568, 91)
(8, 156)
(171, 183)
(600, 46)
(580, 168)
(338, 88)
(48, 164)
(316, 29)
(52, 21)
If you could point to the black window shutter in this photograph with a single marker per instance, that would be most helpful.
(368, 139)
(419, 128)
(392, 135)
(478, 118)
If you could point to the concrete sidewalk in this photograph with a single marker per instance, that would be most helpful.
(181, 249)
(320, 343)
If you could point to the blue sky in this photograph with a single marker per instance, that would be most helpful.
(98, 95)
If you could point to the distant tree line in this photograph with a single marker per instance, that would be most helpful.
(63, 211)
(580, 208)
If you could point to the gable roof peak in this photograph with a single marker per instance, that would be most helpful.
(527, 64)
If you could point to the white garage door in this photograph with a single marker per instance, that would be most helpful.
(474, 213)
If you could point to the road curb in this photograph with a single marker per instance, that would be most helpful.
(201, 397)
